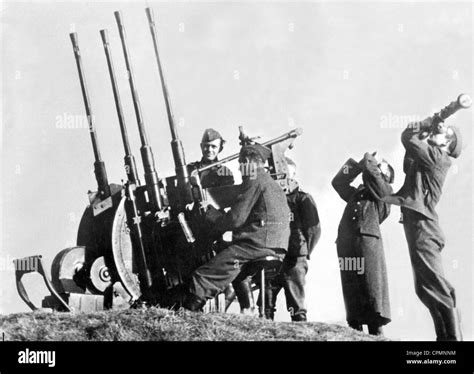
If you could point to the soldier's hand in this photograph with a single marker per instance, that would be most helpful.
(212, 214)
(376, 157)
(205, 205)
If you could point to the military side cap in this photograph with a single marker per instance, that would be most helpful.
(210, 135)
(261, 150)
(456, 148)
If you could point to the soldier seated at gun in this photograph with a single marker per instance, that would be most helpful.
(359, 242)
(430, 145)
(212, 143)
(259, 223)
(305, 233)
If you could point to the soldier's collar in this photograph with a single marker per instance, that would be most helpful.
(204, 162)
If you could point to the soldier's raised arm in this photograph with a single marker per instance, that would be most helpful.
(413, 141)
(343, 179)
(373, 178)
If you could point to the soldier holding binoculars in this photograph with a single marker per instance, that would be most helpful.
(429, 145)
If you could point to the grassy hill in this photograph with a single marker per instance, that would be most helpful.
(156, 324)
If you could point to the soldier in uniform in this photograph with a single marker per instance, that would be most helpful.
(429, 144)
(259, 223)
(212, 144)
(359, 242)
(305, 232)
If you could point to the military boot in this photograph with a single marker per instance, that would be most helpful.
(438, 324)
(355, 325)
(243, 291)
(299, 317)
(193, 303)
(229, 295)
(375, 329)
(452, 324)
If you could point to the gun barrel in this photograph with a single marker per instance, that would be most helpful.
(151, 177)
(290, 134)
(99, 166)
(130, 166)
(144, 272)
(151, 21)
(176, 144)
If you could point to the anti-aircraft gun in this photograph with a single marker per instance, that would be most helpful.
(139, 243)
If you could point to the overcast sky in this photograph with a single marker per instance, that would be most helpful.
(350, 74)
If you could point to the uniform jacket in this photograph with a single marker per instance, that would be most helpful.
(304, 224)
(425, 168)
(259, 216)
(364, 211)
(214, 177)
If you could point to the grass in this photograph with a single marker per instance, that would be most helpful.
(156, 324)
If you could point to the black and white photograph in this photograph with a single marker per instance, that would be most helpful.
(271, 172)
